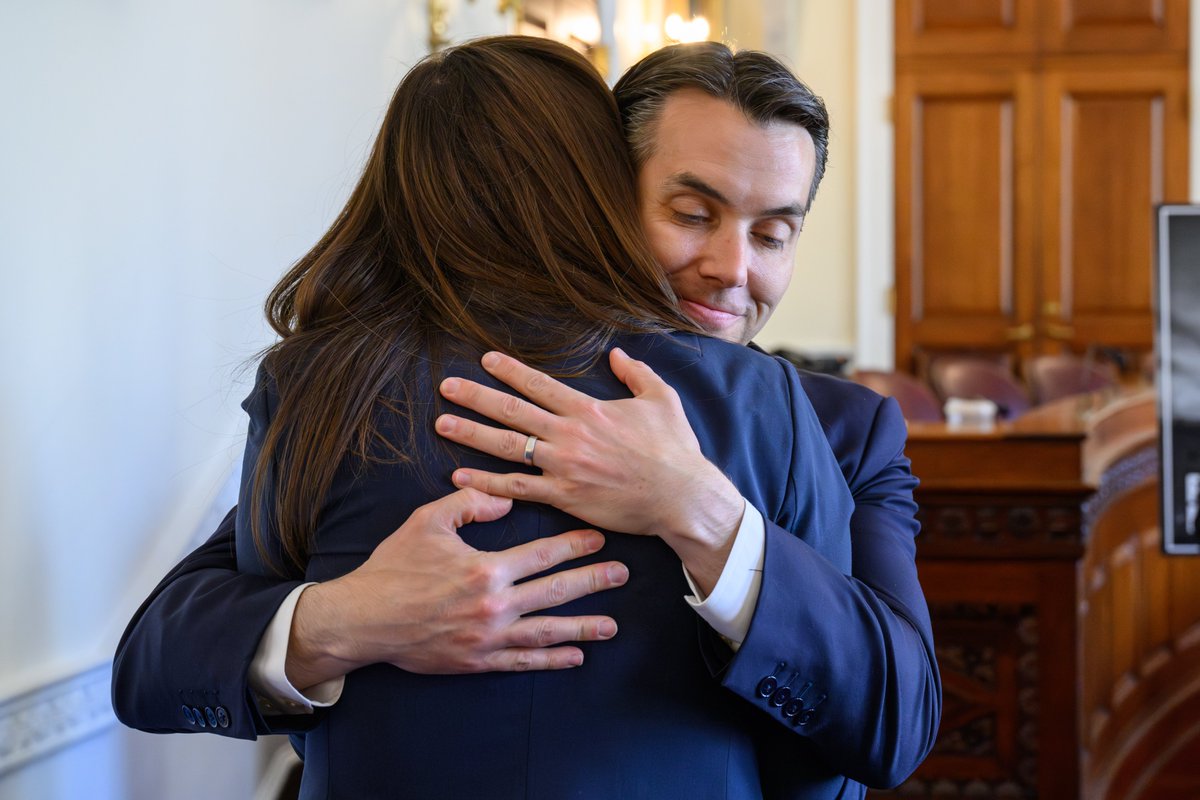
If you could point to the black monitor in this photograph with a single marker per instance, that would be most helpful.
(1177, 342)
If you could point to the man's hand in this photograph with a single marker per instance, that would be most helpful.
(427, 602)
(630, 465)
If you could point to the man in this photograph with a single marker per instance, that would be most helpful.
(835, 672)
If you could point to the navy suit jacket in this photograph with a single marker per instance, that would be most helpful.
(834, 686)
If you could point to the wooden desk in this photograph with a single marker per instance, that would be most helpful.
(1061, 629)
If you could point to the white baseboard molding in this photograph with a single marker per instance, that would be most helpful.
(47, 719)
(60, 712)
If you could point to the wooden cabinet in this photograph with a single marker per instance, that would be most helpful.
(1030, 151)
(975, 27)
(1068, 643)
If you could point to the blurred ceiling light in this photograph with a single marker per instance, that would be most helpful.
(677, 30)
(585, 29)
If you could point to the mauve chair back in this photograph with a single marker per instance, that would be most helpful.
(917, 401)
(1056, 376)
(974, 378)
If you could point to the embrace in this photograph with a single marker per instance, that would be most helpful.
(522, 516)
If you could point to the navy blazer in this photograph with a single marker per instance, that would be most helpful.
(834, 686)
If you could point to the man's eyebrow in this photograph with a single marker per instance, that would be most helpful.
(689, 180)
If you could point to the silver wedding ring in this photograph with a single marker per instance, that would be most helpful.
(530, 443)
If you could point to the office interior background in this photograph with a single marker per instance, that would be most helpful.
(161, 164)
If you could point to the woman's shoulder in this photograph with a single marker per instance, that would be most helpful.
(681, 349)
(688, 360)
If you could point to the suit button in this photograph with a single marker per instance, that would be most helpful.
(199, 715)
(770, 683)
(187, 714)
(781, 696)
(807, 716)
(222, 717)
(793, 707)
(211, 716)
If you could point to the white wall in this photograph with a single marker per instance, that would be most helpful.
(161, 164)
(821, 42)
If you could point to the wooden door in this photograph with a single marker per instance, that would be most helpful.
(1115, 144)
(965, 237)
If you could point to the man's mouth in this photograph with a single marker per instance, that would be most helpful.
(708, 317)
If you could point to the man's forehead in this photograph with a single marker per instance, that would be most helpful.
(690, 112)
(703, 142)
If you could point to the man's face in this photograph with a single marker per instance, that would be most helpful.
(722, 202)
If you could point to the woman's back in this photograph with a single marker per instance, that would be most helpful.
(647, 695)
(497, 210)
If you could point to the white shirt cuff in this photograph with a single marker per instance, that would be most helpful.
(268, 670)
(731, 605)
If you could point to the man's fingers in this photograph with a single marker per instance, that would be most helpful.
(498, 442)
(465, 506)
(563, 587)
(522, 560)
(517, 485)
(546, 631)
(526, 659)
(497, 405)
(547, 392)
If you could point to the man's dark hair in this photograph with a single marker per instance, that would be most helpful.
(757, 83)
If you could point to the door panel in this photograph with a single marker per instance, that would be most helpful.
(1114, 26)
(1117, 140)
(940, 27)
(964, 244)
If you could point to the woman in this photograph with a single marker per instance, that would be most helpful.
(487, 218)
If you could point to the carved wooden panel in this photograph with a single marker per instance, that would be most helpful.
(1117, 141)
(1030, 525)
(988, 742)
(997, 555)
(937, 27)
(1112, 26)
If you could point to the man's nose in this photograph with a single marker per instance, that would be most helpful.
(728, 259)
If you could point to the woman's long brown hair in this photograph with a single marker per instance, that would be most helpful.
(496, 210)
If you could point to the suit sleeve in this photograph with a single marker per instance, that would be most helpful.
(855, 652)
(190, 644)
